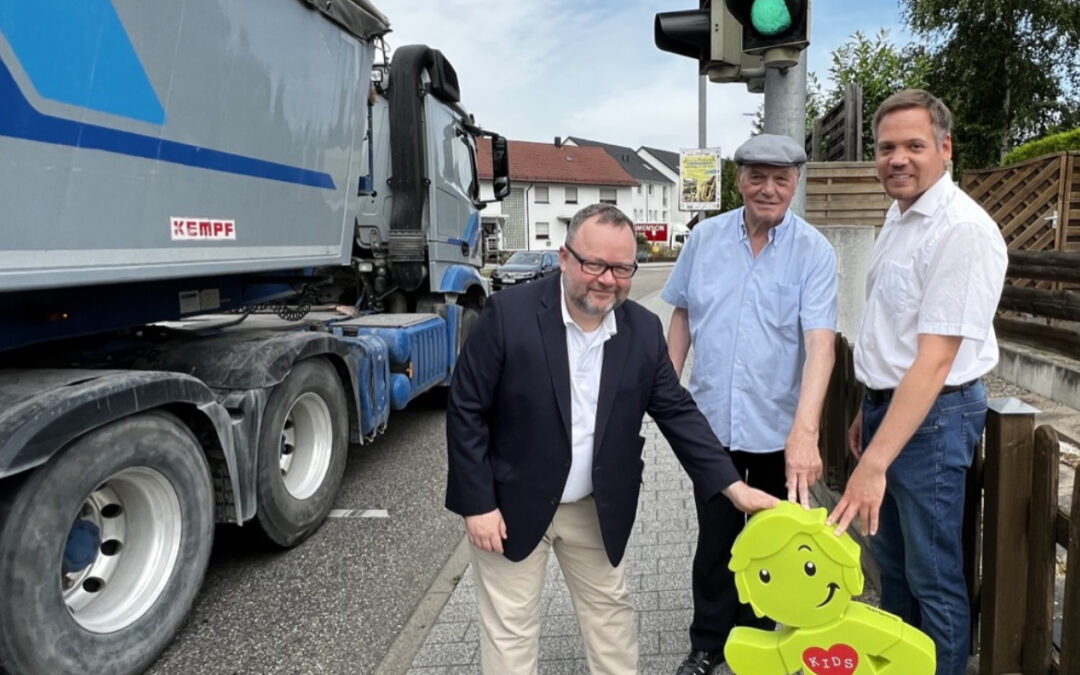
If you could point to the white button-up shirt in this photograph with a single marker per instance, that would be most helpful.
(586, 356)
(936, 269)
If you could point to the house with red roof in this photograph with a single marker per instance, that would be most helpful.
(549, 183)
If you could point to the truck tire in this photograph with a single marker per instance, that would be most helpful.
(103, 550)
(303, 441)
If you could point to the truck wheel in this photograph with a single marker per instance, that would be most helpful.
(103, 550)
(302, 447)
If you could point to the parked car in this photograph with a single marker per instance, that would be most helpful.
(642, 255)
(523, 267)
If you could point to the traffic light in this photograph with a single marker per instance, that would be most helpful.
(686, 32)
(776, 29)
(709, 34)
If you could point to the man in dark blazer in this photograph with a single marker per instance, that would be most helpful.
(543, 434)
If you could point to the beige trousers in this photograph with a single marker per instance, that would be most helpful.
(508, 597)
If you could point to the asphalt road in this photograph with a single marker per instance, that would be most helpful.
(337, 602)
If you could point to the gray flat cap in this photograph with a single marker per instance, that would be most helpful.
(770, 149)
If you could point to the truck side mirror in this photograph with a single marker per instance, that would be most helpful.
(500, 167)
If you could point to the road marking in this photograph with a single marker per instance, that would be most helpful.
(358, 513)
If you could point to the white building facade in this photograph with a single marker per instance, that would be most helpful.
(538, 213)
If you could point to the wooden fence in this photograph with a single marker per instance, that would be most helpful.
(1023, 525)
(1013, 526)
(837, 135)
(845, 193)
(1041, 305)
(1036, 203)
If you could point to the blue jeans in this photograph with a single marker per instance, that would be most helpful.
(919, 544)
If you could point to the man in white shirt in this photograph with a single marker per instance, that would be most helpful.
(542, 429)
(925, 340)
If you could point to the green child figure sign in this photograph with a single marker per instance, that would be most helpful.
(791, 567)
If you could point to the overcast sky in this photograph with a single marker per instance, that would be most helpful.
(535, 69)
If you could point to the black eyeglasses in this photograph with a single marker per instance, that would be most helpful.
(597, 268)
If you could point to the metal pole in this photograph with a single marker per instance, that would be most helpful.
(702, 80)
(785, 113)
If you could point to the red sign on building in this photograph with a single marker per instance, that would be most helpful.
(653, 231)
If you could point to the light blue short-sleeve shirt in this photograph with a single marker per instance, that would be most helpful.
(747, 318)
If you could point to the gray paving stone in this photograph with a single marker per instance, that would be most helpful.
(648, 642)
(445, 654)
(666, 619)
(448, 632)
(643, 601)
(681, 598)
(562, 647)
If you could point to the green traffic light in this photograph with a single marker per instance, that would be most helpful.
(770, 17)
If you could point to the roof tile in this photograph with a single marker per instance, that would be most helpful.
(545, 163)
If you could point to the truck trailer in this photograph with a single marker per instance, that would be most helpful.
(231, 243)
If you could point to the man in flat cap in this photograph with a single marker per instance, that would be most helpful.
(754, 291)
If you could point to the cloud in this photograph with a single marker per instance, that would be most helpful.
(536, 69)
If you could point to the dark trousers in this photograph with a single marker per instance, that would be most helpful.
(716, 602)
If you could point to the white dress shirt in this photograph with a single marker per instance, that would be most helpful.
(586, 356)
(936, 269)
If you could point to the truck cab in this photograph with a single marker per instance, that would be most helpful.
(424, 186)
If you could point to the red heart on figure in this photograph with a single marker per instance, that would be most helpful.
(838, 660)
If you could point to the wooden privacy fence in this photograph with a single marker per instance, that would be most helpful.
(1035, 203)
(1013, 526)
(845, 193)
(1046, 315)
(837, 135)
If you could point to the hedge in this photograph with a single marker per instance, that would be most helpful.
(1066, 140)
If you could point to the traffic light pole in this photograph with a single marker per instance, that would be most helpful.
(785, 113)
(701, 116)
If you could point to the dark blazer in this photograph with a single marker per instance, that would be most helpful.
(508, 419)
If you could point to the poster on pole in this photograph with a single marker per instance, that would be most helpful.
(699, 179)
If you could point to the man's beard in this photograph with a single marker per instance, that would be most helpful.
(582, 302)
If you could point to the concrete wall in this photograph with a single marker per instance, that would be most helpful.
(853, 244)
(1055, 377)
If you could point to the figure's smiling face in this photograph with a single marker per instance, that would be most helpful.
(799, 585)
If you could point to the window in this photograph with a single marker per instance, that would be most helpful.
(637, 215)
(543, 230)
(665, 195)
(571, 195)
(638, 189)
(607, 195)
(664, 219)
(541, 194)
(650, 188)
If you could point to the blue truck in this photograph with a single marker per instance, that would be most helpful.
(230, 244)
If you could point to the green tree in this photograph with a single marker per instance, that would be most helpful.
(880, 68)
(1008, 69)
(729, 188)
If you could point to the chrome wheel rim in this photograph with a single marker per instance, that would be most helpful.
(307, 443)
(136, 517)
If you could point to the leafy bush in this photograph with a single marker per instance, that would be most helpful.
(1066, 140)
